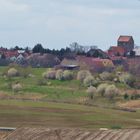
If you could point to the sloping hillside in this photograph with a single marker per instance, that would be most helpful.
(73, 134)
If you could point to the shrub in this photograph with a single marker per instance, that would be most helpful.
(41, 82)
(119, 69)
(67, 75)
(135, 97)
(31, 75)
(59, 75)
(51, 74)
(111, 91)
(82, 75)
(49, 83)
(12, 72)
(116, 127)
(89, 81)
(132, 97)
(44, 75)
(91, 92)
(101, 89)
(127, 78)
(126, 96)
(116, 80)
(137, 84)
(17, 87)
(25, 72)
(106, 76)
(134, 69)
(9, 85)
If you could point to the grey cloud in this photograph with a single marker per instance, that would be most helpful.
(56, 23)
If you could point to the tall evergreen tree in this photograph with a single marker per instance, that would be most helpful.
(38, 48)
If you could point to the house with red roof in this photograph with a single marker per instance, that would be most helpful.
(94, 64)
(125, 45)
(126, 42)
(116, 51)
(87, 63)
(8, 54)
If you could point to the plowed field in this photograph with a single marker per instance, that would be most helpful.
(73, 134)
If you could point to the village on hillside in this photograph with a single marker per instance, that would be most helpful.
(69, 70)
(77, 87)
(124, 53)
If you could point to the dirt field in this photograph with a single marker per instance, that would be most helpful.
(73, 134)
(4, 134)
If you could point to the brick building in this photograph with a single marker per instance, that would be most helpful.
(126, 42)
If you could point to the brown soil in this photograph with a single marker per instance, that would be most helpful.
(131, 104)
(4, 134)
(72, 134)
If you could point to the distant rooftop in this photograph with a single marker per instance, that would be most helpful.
(124, 38)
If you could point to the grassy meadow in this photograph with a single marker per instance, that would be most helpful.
(59, 104)
(28, 113)
(56, 90)
(62, 91)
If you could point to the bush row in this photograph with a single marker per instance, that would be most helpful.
(109, 91)
(59, 75)
(84, 76)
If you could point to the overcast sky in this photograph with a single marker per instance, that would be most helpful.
(57, 23)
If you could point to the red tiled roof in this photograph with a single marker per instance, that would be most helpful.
(118, 48)
(124, 38)
(9, 54)
(114, 50)
(95, 63)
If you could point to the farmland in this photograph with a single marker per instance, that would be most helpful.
(59, 104)
(70, 91)
(30, 113)
(70, 134)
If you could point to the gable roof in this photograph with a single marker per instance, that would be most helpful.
(125, 38)
(118, 49)
(97, 53)
(113, 50)
(9, 54)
